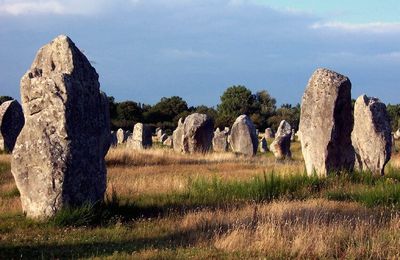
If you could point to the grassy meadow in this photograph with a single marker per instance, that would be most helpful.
(163, 205)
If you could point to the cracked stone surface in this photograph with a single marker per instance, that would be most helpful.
(371, 136)
(326, 123)
(58, 159)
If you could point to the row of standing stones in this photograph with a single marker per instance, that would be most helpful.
(61, 134)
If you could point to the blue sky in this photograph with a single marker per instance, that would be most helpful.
(147, 49)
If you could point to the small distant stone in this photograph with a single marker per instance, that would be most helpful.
(243, 138)
(281, 144)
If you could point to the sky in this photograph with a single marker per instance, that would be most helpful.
(144, 50)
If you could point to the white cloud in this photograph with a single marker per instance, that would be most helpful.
(378, 27)
(58, 7)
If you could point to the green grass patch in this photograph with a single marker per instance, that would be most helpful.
(359, 187)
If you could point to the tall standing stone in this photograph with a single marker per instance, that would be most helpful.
(371, 136)
(280, 147)
(243, 138)
(58, 159)
(326, 122)
(177, 137)
(220, 141)
(198, 132)
(141, 137)
(11, 123)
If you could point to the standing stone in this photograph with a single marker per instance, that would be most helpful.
(326, 122)
(220, 141)
(177, 137)
(58, 159)
(263, 145)
(371, 136)
(281, 144)
(11, 122)
(121, 136)
(293, 136)
(141, 137)
(159, 133)
(243, 138)
(168, 142)
(163, 137)
(269, 134)
(113, 139)
(197, 133)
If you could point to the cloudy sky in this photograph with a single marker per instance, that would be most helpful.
(146, 49)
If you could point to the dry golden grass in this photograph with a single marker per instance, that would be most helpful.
(160, 170)
(308, 229)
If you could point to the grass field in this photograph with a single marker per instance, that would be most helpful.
(163, 205)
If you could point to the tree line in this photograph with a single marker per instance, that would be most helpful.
(235, 100)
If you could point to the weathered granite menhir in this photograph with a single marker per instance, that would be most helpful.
(58, 159)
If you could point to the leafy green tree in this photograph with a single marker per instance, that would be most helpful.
(394, 114)
(164, 113)
(210, 111)
(264, 107)
(235, 101)
(129, 110)
(288, 113)
(113, 107)
(4, 99)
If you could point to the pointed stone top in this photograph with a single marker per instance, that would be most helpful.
(61, 56)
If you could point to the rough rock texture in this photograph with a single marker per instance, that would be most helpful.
(141, 137)
(243, 138)
(198, 132)
(163, 137)
(326, 122)
(168, 142)
(269, 133)
(58, 159)
(177, 137)
(121, 136)
(280, 147)
(11, 122)
(220, 141)
(263, 145)
(113, 139)
(371, 136)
